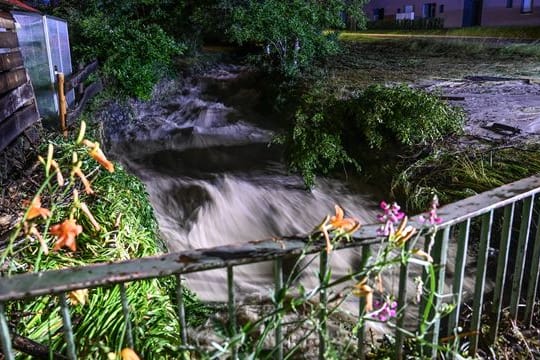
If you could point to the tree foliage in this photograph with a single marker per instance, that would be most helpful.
(132, 39)
(292, 34)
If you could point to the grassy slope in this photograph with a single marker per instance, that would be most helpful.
(509, 32)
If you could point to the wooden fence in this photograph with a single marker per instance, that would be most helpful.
(18, 108)
(83, 93)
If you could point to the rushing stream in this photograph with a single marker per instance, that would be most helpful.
(202, 149)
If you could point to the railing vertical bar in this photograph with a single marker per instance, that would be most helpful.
(232, 309)
(457, 288)
(323, 330)
(127, 320)
(439, 258)
(428, 244)
(278, 284)
(533, 279)
(366, 253)
(481, 269)
(68, 329)
(402, 305)
(181, 309)
(501, 271)
(4, 335)
(524, 232)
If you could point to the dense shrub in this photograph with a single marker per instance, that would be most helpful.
(376, 122)
(129, 38)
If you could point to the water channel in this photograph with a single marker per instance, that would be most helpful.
(201, 146)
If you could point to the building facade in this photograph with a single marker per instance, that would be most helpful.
(458, 13)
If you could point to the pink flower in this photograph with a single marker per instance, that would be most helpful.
(384, 310)
(391, 215)
(433, 218)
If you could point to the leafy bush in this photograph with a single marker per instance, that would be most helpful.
(127, 38)
(389, 117)
(376, 122)
(314, 143)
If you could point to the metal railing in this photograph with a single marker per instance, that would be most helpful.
(505, 215)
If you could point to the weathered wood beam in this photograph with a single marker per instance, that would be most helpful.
(16, 124)
(6, 21)
(58, 281)
(12, 79)
(8, 39)
(89, 93)
(10, 60)
(35, 349)
(15, 99)
(75, 79)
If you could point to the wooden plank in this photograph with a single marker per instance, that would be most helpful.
(12, 127)
(89, 93)
(75, 79)
(12, 79)
(15, 99)
(6, 21)
(8, 39)
(10, 60)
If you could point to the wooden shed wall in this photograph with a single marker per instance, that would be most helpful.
(19, 126)
(18, 108)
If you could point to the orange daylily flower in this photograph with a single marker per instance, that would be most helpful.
(36, 210)
(78, 297)
(424, 255)
(66, 233)
(362, 289)
(403, 233)
(77, 171)
(128, 354)
(98, 155)
(36, 233)
(84, 208)
(338, 221)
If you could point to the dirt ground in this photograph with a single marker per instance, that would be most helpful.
(498, 109)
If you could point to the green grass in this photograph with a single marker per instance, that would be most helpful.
(362, 63)
(508, 32)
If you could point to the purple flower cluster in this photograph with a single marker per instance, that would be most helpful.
(432, 218)
(391, 215)
(384, 310)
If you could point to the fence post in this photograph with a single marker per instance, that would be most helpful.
(232, 311)
(323, 329)
(62, 105)
(501, 271)
(4, 335)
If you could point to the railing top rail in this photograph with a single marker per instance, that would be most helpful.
(56, 281)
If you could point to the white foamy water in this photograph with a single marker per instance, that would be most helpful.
(213, 179)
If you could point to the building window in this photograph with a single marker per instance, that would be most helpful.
(409, 9)
(526, 6)
(378, 14)
(429, 10)
(509, 4)
(441, 8)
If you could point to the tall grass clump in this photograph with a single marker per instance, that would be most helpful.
(454, 175)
